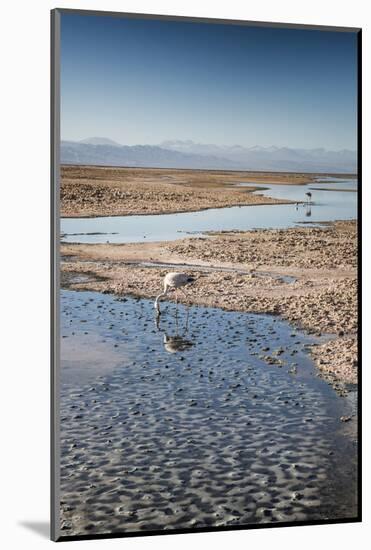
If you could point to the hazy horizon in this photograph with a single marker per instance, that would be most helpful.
(221, 145)
(141, 81)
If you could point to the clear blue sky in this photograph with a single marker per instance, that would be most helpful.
(142, 82)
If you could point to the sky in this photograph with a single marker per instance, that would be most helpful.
(146, 81)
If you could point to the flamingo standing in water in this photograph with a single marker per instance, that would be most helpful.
(309, 195)
(173, 281)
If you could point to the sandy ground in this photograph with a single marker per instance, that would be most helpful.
(307, 275)
(88, 191)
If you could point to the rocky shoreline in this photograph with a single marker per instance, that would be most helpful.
(89, 191)
(307, 275)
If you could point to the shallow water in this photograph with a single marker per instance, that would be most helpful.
(297, 192)
(209, 418)
(327, 206)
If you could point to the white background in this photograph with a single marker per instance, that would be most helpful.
(24, 314)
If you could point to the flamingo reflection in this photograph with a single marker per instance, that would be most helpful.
(176, 342)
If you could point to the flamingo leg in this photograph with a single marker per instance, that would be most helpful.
(183, 293)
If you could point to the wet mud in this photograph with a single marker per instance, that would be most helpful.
(203, 418)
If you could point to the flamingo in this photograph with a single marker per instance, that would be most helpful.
(172, 281)
(309, 195)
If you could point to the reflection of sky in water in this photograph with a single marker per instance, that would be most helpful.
(297, 192)
(327, 206)
(209, 432)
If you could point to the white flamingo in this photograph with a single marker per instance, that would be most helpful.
(309, 195)
(173, 281)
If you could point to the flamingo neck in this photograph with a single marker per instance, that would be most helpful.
(160, 296)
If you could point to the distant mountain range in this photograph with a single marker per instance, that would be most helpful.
(100, 141)
(188, 154)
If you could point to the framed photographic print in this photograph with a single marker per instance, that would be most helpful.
(206, 188)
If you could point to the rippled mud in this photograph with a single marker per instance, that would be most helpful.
(205, 418)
